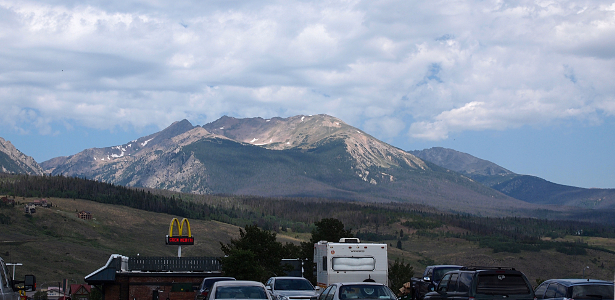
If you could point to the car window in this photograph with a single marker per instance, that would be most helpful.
(551, 290)
(429, 272)
(209, 282)
(540, 291)
(241, 292)
(443, 286)
(465, 280)
(331, 293)
(502, 284)
(452, 284)
(324, 293)
(292, 285)
(438, 273)
(365, 291)
(561, 291)
(592, 292)
(269, 282)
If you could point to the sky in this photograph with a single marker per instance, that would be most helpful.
(528, 85)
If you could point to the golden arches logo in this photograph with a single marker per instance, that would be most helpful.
(180, 239)
(180, 227)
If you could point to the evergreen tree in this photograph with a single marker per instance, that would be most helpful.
(256, 255)
(399, 273)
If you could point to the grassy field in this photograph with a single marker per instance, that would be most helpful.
(54, 244)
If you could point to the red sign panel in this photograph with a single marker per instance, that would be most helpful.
(180, 240)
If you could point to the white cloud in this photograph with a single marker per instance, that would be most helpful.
(433, 67)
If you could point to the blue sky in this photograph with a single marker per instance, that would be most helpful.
(524, 84)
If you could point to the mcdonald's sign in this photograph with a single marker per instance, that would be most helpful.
(180, 239)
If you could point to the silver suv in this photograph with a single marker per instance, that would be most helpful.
(291, 288)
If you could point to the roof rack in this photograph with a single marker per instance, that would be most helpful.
(474, 268)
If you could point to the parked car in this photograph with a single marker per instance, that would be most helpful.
(357, 290)
(206, 284)
(480, 283)
(431, 277)
(575, 289)
(291, 288)
(238, 289)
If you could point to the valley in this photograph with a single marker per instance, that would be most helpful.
(54, 244)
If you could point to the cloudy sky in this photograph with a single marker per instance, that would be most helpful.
(529, 85)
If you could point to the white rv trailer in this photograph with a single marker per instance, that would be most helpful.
(350, 261)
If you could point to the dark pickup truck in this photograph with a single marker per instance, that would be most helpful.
(429, 281)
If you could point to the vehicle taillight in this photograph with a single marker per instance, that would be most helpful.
(204, 293)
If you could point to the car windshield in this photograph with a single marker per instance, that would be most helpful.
(439, 273)
(365, 291)
(501, 284)
(240, 292)
(293, 285)
(592, 292)
(210, 281)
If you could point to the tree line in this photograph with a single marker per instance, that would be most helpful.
(510, 234)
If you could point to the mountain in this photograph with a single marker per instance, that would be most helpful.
(523, 187)
(13, 161)
(301, 156)
(539, 191)
(461, 162)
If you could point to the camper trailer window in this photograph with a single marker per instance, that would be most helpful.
(353, 264)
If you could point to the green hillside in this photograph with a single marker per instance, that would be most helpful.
(54, 244)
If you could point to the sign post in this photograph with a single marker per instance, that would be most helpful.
(180, 239)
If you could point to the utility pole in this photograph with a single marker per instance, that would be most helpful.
(12, 264)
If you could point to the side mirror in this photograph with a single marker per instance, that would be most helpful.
(268, 288)
(426, 278)
(29, 283)
(317, 288)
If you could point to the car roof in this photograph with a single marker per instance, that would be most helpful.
(571, 281)
(238, 283)
(445, 266)
(288, 277)
(483, 269)
(358, 283)
(218, 278)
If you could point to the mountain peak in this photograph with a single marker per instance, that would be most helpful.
(311, 131)
(14, 161)
(276, 133)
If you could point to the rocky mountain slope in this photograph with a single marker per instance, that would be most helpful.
(13, 161)
(301, 156)
(460, 162)
(523, 187)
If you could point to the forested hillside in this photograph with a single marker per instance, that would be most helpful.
(420, 234)
(296, 214)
